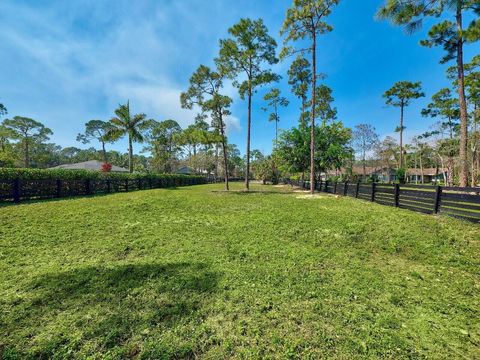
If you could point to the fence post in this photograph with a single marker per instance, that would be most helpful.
(320, 185)
(335, 187)
(397, 194)
(357, 189)
(345, 188)
(59, 188)
(373, 191)
(326, 186)
(16, 190)
(126, 185)
(438, 197)
(139, 184)
(108, 185)
(150, 182)
(87, 186)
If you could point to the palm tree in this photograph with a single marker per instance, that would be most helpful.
(132, 126)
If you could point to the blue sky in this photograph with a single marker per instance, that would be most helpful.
(66, 62)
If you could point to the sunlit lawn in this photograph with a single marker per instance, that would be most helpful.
(194, 272)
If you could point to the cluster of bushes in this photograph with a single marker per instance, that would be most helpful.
(27, 184)
(64, 174)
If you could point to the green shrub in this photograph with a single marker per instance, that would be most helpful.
(335, 178)
(401, 175)
(64, 174)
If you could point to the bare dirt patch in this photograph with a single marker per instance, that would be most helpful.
(305, 194)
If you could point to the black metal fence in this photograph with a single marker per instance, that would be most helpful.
(17, 190)
(460, 202)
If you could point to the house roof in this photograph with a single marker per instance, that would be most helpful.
(369, 170)
(426, 172)
(381, 170)
(185, 170)
(89, 165)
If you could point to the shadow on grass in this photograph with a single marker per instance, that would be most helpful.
(105, 307)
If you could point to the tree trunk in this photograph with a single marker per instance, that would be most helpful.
(312, 128)
(276, 133)
(130, 154)
(421, 169)
(416, 176)
(216, 161)
(450, 169)
(463, 103)
(443, 170)
(474, 147)
(477, 167)
(401, 135)
(194, 161)
(302, 120)
(474, 170)
(364, 165)
(249, 124)
(27, 157)
(225, 157)
(105, 159)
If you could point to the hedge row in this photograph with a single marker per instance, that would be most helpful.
(65, 174)
(28, 184)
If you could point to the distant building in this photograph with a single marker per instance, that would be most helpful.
(185, 170)
(430, 175)
(383, 174)
(94, 165)
(388, 174)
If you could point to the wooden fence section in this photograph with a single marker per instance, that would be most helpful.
(18, 190)
(463, 203)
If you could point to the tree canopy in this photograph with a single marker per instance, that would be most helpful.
(28, 132)
(132, 126)
(249, 52)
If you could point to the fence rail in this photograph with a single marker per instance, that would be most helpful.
(17, 190)
(459, 202)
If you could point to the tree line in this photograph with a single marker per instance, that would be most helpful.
(439, 147)
(452, 143)
(24, 143)
(319, 142)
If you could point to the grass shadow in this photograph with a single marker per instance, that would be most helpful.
(105, 307)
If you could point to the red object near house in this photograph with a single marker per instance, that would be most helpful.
(106, 167)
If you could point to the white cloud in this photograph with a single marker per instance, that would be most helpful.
(70, 62)
(90, 74)
(232, 125)
(158, 102)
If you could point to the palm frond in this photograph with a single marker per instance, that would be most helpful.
(123, 113)
(137, 119)
(114, 134)
(118, 122)
(136, 135)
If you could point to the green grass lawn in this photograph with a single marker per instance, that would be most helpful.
(195, 272)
